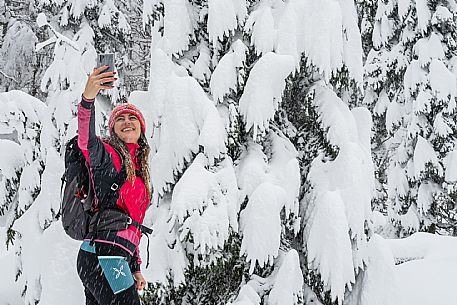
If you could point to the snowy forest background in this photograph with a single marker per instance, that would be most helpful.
(304, 151)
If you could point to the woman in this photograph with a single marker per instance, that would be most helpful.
(106, 255)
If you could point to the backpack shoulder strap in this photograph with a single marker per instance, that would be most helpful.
(110, 187)
(108, 181)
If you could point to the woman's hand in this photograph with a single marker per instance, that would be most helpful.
(96, 80)
(140, 282)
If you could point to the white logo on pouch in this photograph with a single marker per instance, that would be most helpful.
(119, 272)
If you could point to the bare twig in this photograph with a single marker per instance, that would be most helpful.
(10, 77)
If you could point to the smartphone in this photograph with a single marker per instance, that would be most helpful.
(106, 59)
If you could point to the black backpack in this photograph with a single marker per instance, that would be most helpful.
(77, 203)
(80, 217)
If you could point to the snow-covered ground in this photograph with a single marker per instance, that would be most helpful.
(9, 289)
(51, 270)
(428, 275)
(10, 293)
(429, 281)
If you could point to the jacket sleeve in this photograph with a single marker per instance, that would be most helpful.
(135, 262)
(92, 147)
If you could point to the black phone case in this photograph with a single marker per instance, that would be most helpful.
(106, 59)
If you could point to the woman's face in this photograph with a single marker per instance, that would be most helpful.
(128, 128)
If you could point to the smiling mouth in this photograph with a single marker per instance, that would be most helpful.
(128, 129)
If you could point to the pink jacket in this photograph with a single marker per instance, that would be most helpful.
(133, 198)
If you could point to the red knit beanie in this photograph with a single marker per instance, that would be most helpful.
(126, 108)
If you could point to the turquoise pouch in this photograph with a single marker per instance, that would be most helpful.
(117, 272)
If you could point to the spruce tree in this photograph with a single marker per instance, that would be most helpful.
(22, 166)
(18, 60)
(412, 87)
(286, 106)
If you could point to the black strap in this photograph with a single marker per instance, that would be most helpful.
(147, 259)
(61, 187)
(109, 194)
(94, 235)
(145, 230)
(61, 192)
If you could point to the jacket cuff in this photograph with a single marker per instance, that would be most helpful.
(134, 266)
(87, 103)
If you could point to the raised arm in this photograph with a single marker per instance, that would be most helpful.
(88, 142)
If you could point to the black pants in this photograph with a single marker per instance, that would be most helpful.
(96, 287)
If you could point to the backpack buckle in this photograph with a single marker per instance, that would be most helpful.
(114, 187)
(129, 221)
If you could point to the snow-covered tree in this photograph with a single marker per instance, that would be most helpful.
(412, 89)
(261, 166)
(18, 62)
(21, 119)
(117, 27)
(366, 12)
(36, 225)
(236, 87)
